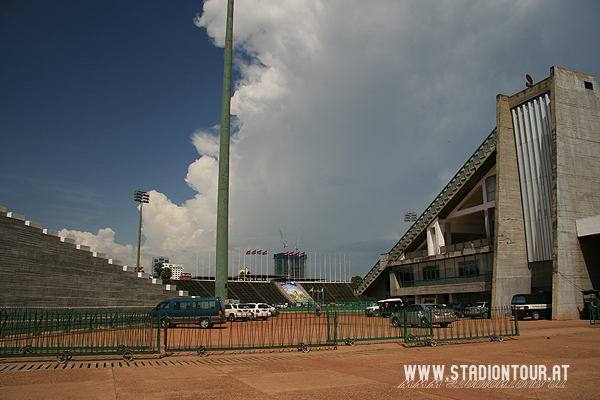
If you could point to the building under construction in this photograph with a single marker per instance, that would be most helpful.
(291, 265)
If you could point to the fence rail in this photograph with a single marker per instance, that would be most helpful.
(64, 333)
(594, 310)
(68, 332)
(288, 330)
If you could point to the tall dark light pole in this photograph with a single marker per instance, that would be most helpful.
(223, 192)
(141, 197)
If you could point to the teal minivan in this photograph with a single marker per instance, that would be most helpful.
(205, 312)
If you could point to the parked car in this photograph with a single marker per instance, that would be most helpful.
(459, 308)
(234, 311)
(424, 315)
(372, 310)
(260, 310)
(202, 311)
(535, 306)
(479, 310)
(388, 306)
(274, 310)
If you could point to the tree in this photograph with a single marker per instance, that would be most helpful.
(355, 280)
(165, 273)
(158, 267)
(161, 271)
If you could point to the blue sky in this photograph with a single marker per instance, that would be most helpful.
(347, 114)
(99, 99)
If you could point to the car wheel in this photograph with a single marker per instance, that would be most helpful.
(231, 317)
(485, 315)
(395, 321)
(165, 323)
(535, 315)
(204, 323)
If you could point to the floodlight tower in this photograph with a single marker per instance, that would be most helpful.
(223, 189)
(410, 216)
(141, 197)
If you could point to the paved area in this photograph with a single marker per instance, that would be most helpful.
(365, 371)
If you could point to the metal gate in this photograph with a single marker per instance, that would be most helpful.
(68, 332)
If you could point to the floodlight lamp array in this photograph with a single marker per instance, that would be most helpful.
(141, 196)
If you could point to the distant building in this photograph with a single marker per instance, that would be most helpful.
(176, 270)
(159, 259)
(290, 264)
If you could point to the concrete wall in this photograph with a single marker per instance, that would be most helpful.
(511, 268)
(576, 152)
(40, 269)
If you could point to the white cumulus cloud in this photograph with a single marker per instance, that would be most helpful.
(349, 113)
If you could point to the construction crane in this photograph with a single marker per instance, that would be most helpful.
(298, 241)
(284, 242)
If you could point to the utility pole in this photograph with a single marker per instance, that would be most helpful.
(223, 191)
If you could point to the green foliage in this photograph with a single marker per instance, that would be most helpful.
(356, 280)
(165, 273)
(158, 267)
(162, 272)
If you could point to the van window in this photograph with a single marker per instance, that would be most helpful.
(518, 300)
(181, 305)
(204, 304)
(163, 306)
(539, 299)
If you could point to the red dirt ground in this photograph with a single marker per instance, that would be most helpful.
(360, 372)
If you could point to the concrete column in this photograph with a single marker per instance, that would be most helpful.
(576, 168)
(511, 274)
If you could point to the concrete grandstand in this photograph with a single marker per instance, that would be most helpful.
(521, 215)
(41, 269)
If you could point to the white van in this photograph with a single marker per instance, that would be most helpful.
(535, 306)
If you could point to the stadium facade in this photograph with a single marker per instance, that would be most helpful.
(521, 215)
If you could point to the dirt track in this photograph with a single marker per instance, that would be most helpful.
(361, 372)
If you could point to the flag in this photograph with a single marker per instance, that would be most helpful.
(249, 252)
(259, 252)
(265, 253)
(253, 251)
(311, 290)
(303, 254)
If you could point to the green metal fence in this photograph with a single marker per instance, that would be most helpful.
(498, 324)
(68, 332)
(297, 329)
(594, 308)
(412, 327)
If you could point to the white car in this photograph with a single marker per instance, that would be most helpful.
(260, 310)
(236, 311)
(372, 311)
